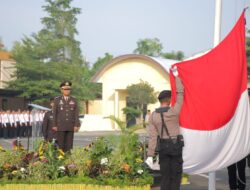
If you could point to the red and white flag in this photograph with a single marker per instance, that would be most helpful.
(215, 118)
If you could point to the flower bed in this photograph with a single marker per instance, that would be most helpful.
(115, 162)
(68, 187)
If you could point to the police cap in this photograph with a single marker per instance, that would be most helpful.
(65, 84)
(164, 94)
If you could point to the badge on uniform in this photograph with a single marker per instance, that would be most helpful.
(61, 104)
(72, 105)
(72, 102)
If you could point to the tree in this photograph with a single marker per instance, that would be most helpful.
(150, 47)
(51, 55)
(2, 48)
(153, 47)
(141, 94)
(94, 90)
(179, 55)
(131, 113)
(100, 62)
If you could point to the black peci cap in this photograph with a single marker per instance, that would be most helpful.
(65, 84)
(164, 94)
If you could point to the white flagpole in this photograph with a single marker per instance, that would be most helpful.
(217, 22)
(217, 33)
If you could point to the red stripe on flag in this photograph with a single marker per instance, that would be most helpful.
(214, 82)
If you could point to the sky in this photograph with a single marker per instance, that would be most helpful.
(115, 26)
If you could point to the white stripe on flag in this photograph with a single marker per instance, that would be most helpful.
(207, 151)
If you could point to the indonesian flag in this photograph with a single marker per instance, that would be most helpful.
(215, 114)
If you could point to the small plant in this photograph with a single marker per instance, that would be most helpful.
(50, 158)
(78, 157)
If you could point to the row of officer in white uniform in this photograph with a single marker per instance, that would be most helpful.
(18, 123)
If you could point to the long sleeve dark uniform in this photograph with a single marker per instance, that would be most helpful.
(66, 114)
(66, 117)
(47, 125)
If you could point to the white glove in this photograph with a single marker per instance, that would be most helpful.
(174, 71)
(149, 161)
(151, 164)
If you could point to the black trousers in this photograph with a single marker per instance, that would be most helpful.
(13, 132)
(236, 175)
(248, 160)
(171, 171)
(65, 140)
(18, 129)
(50, 135)
(6, 131)
(1, 130)
(22, 130)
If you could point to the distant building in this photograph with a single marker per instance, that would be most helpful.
(9, 99)
(115, 77)
(7, 68)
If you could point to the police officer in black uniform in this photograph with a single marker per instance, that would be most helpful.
(47, 124)
(65, 115)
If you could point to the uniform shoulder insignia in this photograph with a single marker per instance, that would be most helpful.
(161, 109)
(73, 98)
(57, 98)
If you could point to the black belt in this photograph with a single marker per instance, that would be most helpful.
(173, 139)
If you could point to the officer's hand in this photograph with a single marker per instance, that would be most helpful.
(54, 128)
(76, 129)
(174, 71)
(149, 161)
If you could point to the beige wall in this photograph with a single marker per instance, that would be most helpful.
(116, 79)
(95, 107)
(7, 68)
(122, 103)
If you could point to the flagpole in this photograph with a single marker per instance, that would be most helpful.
(217, 22)
(217, 33)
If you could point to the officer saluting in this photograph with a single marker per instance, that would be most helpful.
(65, 114)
